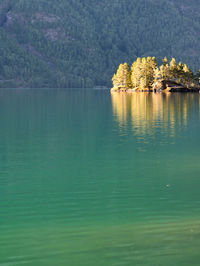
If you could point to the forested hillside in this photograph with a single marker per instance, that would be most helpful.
(76, 43)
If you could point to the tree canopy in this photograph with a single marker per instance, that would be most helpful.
(145, 73)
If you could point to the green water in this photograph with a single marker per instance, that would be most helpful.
(89, 178)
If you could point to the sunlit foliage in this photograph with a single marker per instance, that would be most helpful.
(145, 72)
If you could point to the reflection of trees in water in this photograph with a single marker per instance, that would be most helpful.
(149, 111)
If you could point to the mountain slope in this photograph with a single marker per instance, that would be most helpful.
(74, 43)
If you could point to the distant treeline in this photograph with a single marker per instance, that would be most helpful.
(76, 43)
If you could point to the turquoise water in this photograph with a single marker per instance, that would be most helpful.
(93, 178)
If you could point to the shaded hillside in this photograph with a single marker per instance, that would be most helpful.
(74, 43)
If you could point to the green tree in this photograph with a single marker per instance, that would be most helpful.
(136, 73)
(165, 61)
(173, 69)
(188, 76)
(122, 78)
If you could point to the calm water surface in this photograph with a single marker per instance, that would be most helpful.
(88, 178)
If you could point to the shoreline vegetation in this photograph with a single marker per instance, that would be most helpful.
(146, 75)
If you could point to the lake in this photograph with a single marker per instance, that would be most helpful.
(92, 178)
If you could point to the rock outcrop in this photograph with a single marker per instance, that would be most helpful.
(171, 86)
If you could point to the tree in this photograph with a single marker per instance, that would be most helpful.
(173, 69)
(123, 77)
(165, 61)
(188, 76)
(136, 72)
(142, 72)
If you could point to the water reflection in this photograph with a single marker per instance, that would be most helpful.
(146, 112)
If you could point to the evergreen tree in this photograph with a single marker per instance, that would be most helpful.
(165, 72)
(150, 68)
(142, 72)
(165, 61)
(157, 75)
(188, 76)
(136, 73)
(123, 77)
(180, 72)
(173, 69)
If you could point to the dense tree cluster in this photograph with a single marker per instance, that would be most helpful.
(145, 74)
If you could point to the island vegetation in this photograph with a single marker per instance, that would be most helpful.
(146, 75)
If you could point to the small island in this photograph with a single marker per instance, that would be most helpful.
(146, 75)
